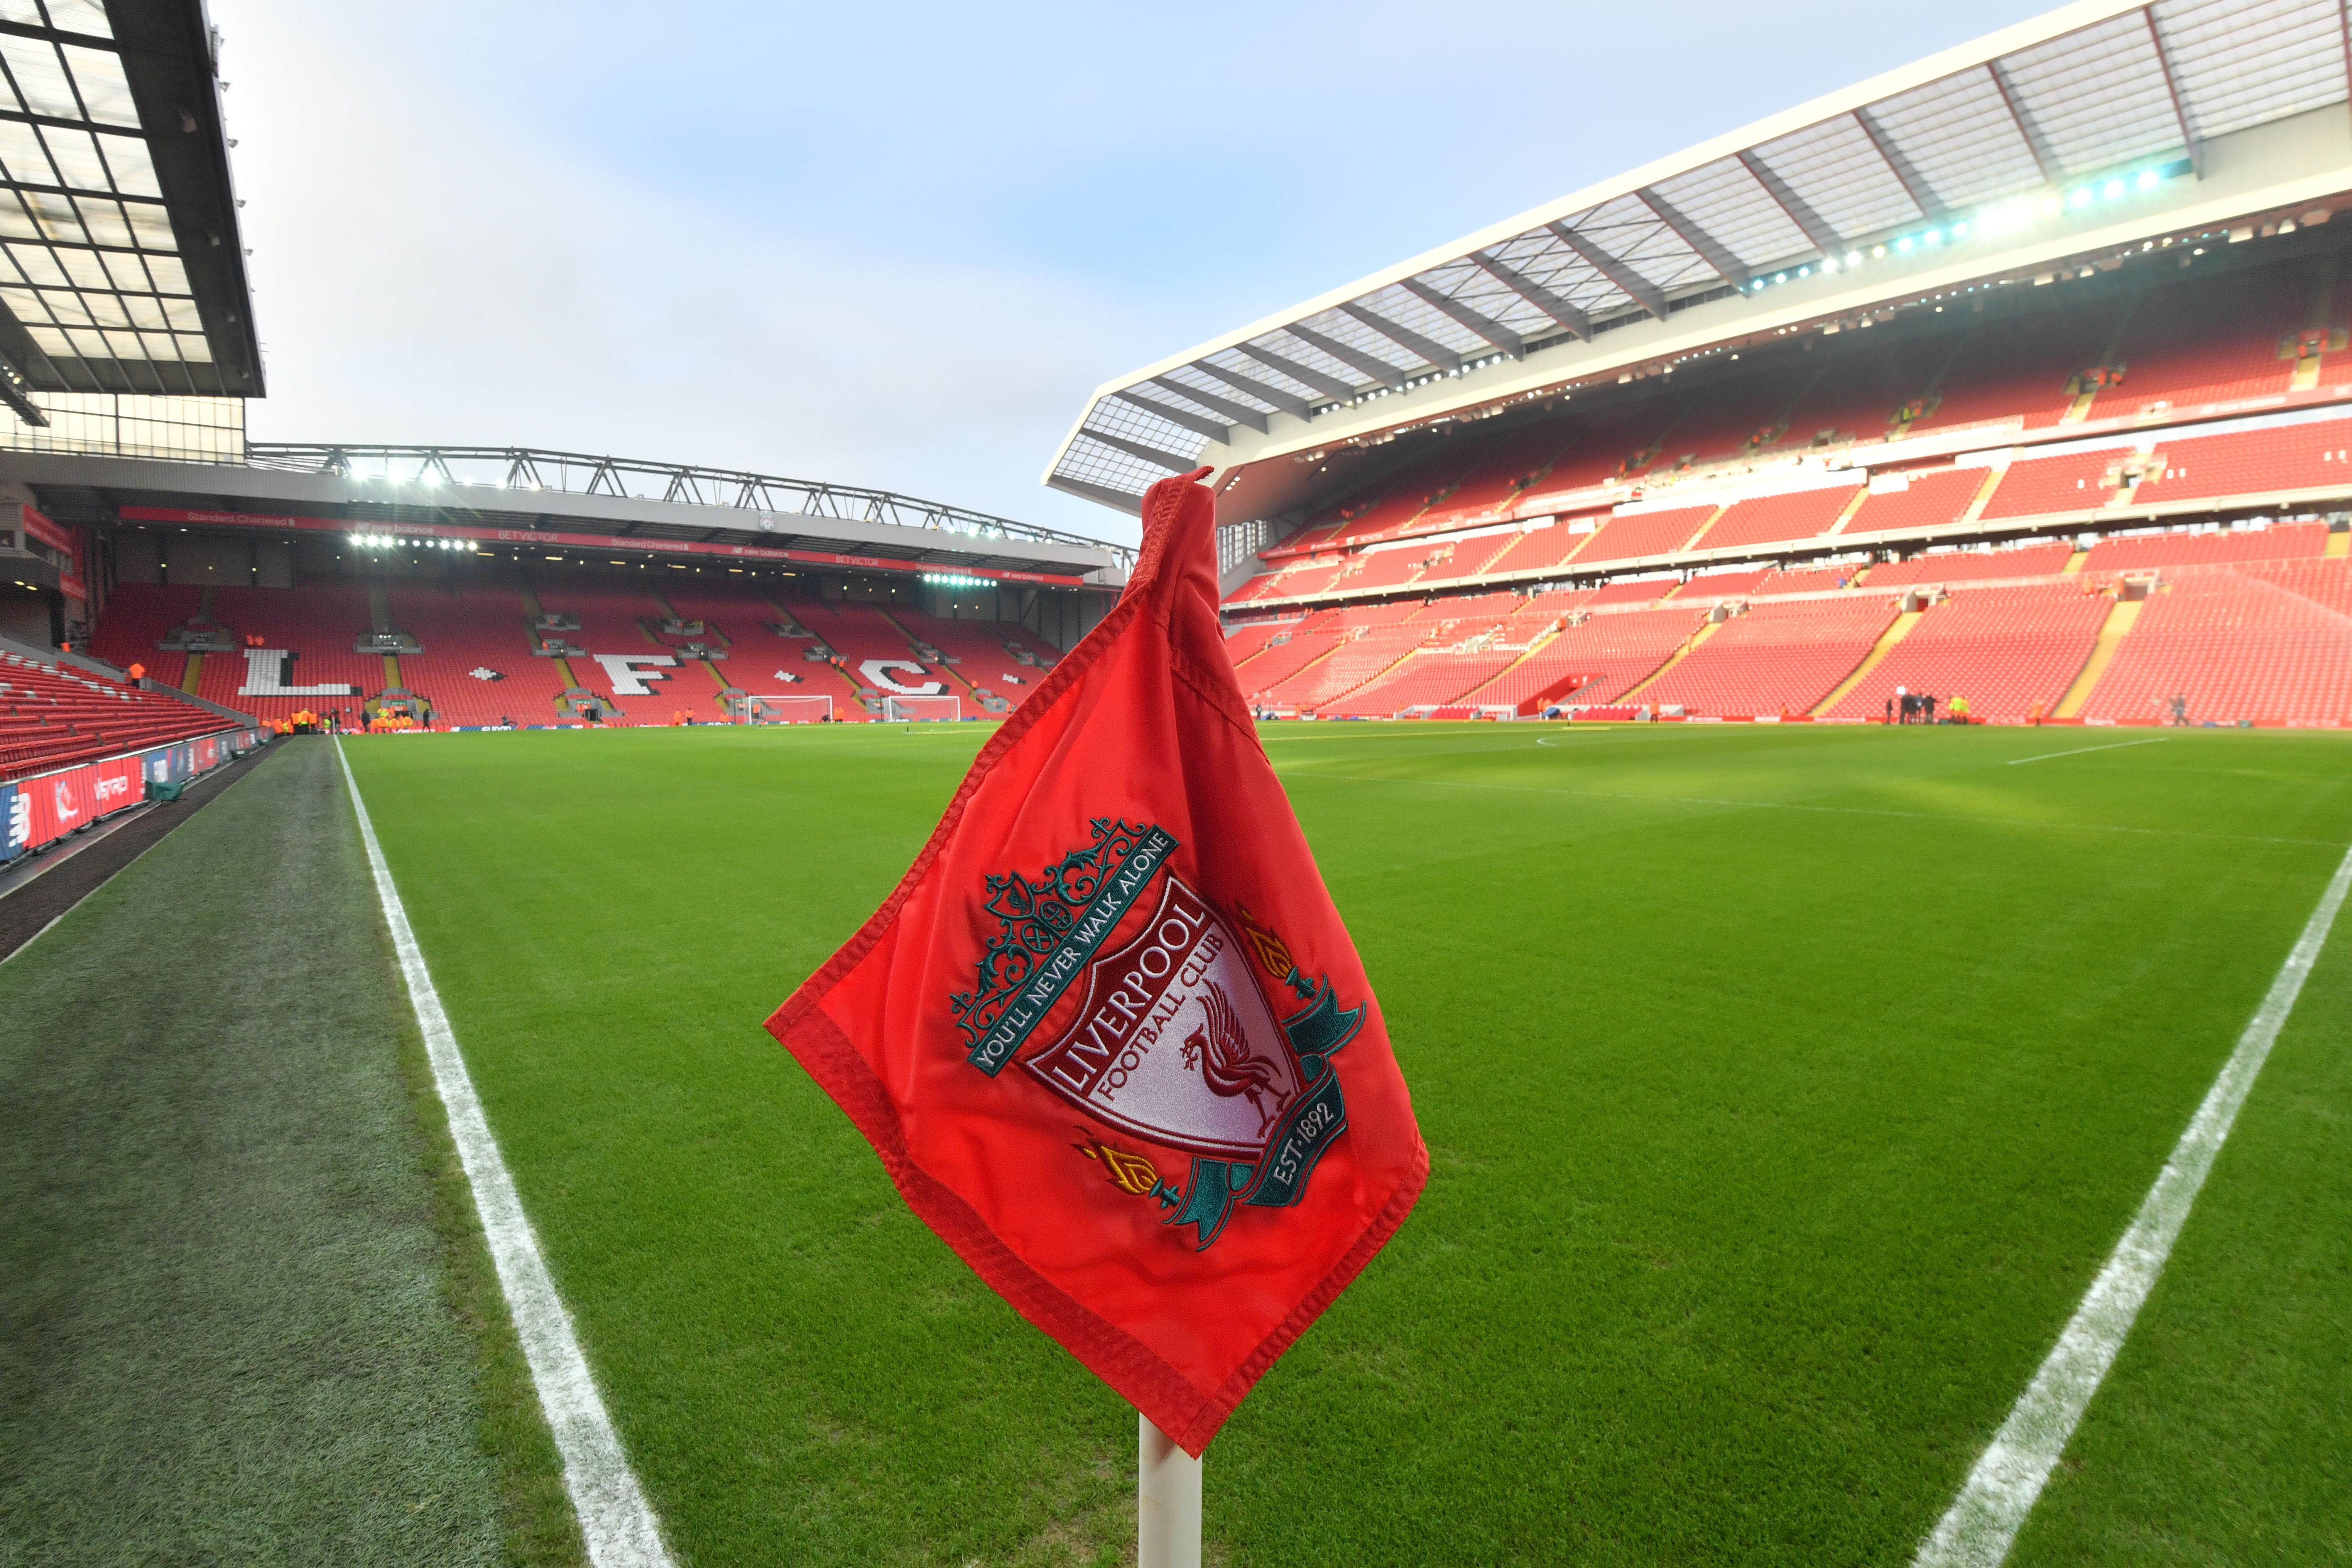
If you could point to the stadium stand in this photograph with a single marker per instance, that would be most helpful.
(1932, 499)
(1630, 536)
(53, 716)
(1721, 585)
(2252, 462)
(1947, 566)
(2073, 482)
(319, 625)
(138, 618)
(465, 629)
(1777, 658)
(2269, 645)
(1356, 658)
(2148, 552)
(1616, 651)
(1773, 519)
(2012, 652)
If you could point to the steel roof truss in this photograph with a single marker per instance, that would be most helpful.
(1306, 376)
(1233, 411)
(2189, 139)
(1379, 369)
(1215, 430)
(1825, 239)
(1494, 331)
(1727, 266)
(1915, 185)
(1168, 461)
(1536, 294)
(1638, 288)
(1290, 403)
(2036, 143)
(1405, 337)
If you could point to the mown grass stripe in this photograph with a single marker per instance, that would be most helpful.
(615, 1520)
(1978, 1528)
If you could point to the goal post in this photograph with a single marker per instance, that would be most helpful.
(900, 710)
(788, 709)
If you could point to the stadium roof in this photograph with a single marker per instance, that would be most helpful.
(619, 501)
(2092, 92)
(121, 268)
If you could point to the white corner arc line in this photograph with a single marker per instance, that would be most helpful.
(615, 1520)
(1981, 1525)
(2111, 746)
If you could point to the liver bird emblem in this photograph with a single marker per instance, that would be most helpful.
(1221, 1050)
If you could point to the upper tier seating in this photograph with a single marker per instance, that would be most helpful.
(1931, 500)
(1769, 520)
(2020, 368)
(54, 716)
(2190, 342)
(2010, 651)
(1629, 536)
(1539, 548)
(1777, 658)
(2075, 481)
(2272, 644)
(1973, 566)
(2150, 552)
(2252, 462)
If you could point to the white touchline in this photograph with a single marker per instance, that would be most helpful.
(615, 1520)
(2112, 746)
(1983, 1520)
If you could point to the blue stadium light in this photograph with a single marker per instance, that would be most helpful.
(1904, 243)
(2146, 180)
(2113, 189)
(2080, 199)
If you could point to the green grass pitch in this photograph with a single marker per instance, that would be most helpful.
(1785, 1088)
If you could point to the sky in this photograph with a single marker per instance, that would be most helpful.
(898, 246)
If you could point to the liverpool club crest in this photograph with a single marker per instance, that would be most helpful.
(1121, 989)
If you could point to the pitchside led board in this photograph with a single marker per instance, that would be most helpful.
(1109, 1035)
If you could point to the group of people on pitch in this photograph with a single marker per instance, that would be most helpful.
(1909, 707)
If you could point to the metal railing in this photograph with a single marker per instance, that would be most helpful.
(581, 473)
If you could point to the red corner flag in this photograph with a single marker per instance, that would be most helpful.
(1110, 1037)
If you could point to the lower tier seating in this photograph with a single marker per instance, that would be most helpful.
(2012, 652)
(2273, 646)
(1775, 658)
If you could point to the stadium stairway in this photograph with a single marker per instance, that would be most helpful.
(2119, 624)
(1871, 661)
(195, 666)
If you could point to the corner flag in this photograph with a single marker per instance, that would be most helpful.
(1109, 1035)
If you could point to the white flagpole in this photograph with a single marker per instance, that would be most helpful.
(1167, 1500)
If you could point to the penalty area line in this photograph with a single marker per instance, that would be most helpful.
(2080, 751)
(1981, 1525)
(617, 1522)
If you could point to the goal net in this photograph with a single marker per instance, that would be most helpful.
(897, 708)
(787, 709)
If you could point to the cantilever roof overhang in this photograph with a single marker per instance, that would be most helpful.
(1989, 148)
(81, 488)
(122, 266)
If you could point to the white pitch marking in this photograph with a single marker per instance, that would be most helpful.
(1983, 1520)
(2116, 746)
(615, 1520)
